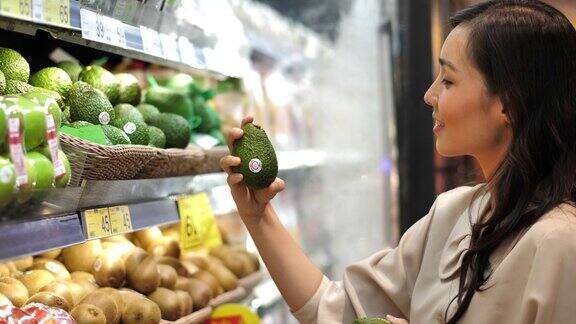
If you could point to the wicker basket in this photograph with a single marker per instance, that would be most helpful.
(123, 162)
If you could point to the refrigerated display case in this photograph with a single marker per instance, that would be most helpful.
(328, 105)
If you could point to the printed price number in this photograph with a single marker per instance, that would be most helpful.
(121, 222)
(57, 12)
(98, 223)
(17, 8)
(198, 226)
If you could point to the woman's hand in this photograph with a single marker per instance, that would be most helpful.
(395, 320)
(251, 203)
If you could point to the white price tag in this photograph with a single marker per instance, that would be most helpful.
(151, 40)
(188, 53)
(38, 10)
(170, 47)
(114, 31)
(92, 25)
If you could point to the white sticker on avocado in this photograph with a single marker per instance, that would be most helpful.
(255, 165)
(104, 118)
(6, 174)
(97, 265)
(52, 267)
(129, 128)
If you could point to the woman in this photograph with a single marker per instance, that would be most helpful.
(500, 252)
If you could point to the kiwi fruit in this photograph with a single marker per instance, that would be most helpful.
(106, 303)
(81, 257)
(4, 270)
(61, 290)
(49, 299)
(83, 275)
(168, 276)
(14, 290)
(198, 259)
(115, 294)
(24, 263)
(149, 238)
(76, 290)
(247, 263)
(211, 281)
(168, 302)
(88, 286)
(172, 247)
(186, 302)
(88, 314)
(55, 267)
(174, 263)
(51, 254)
(230, 260)
(139, 309)
(145, 278)
(4, 301)
(225, 277)
(119, 248)
(191, 267)
(34, 280)
(134, 259)
(109, 270)
(197, 289)
(200, 293)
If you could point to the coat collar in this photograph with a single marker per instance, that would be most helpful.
(459, 240)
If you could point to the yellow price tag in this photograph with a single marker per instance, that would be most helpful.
(120, 219)
(198, 227)
(98, 223)
(233, 313)
(57, 12)
(16, 8)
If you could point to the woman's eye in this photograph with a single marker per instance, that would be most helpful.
(447, 83)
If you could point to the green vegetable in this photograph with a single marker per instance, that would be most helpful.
(259, 165)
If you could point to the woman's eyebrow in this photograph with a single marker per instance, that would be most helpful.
(445, 62)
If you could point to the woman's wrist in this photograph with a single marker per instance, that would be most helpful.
(260, 219)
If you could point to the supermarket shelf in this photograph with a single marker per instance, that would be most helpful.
(24, 238)
(137, 42)
(143, 215)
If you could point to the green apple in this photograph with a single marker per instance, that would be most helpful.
(34, 120)
(49, 103)
(3, 131)
(44, 170)
(65, 179)
(25, 192)
(7, 181)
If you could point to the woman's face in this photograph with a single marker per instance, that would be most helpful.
(468, 120)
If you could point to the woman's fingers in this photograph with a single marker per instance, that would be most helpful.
(234, 134)
(395, 320)
(247, 120)
(235, 179)
(228, 162)
(266, 194)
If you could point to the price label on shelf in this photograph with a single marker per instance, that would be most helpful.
(114, 32)
(170, 47)
(120, 219)
(57, 12)
(92, 25)
(151, 41)
(188, 53)
(198, 227)
(17, 8)
(38, 10)
(98, 223)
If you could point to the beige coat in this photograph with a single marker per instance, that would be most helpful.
(534, 277)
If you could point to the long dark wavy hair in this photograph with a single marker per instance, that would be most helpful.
(526, 52)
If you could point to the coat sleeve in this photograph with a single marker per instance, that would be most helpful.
(379, 285)
(550, 292)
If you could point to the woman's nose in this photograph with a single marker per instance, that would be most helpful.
(430, 97)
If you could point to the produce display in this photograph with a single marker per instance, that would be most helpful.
(140, 277)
